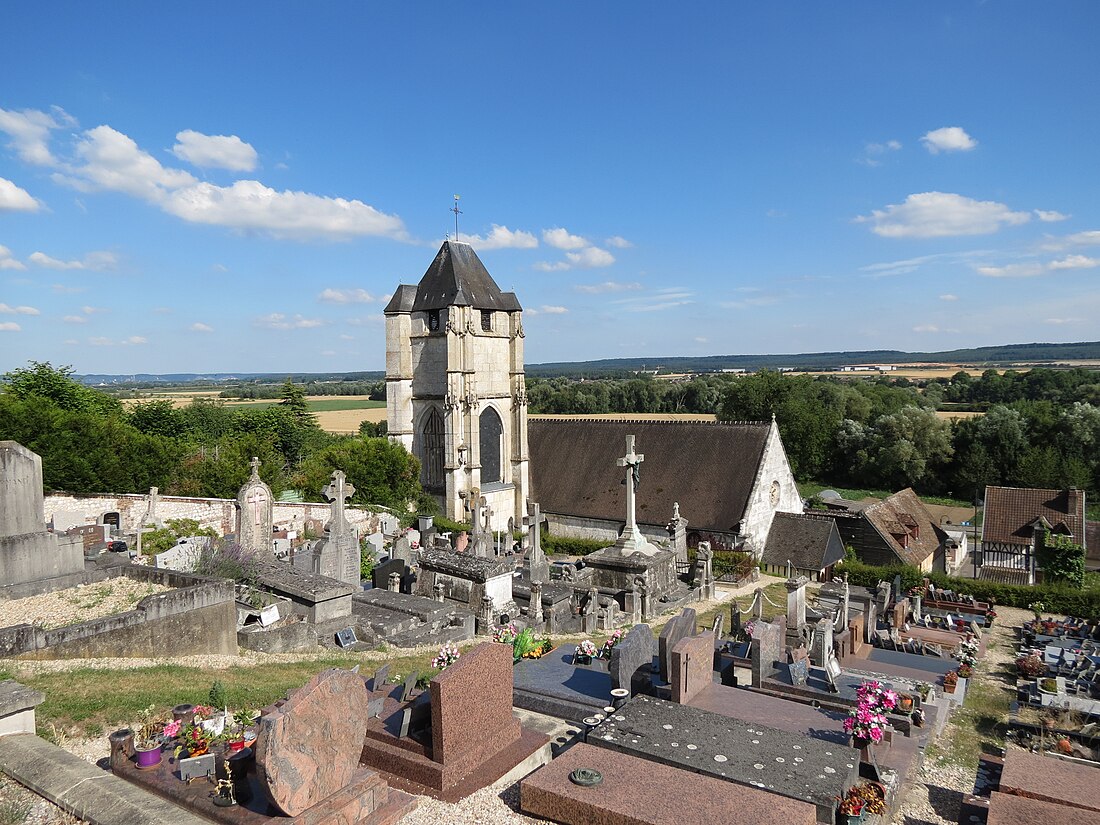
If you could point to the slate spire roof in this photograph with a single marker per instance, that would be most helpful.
(456, 277)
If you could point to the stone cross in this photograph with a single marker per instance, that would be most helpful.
(255, 464)
(337, 492)
(538, 566)
(151, 510)
(257, 499)
(632, 462)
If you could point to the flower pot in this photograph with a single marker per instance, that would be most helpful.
(223, 801)
(148, 757)
(853, 819)
(581, 659)
(906, 703)
(236, 746)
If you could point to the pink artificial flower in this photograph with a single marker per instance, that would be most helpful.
(172, 728)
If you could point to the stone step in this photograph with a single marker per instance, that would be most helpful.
(398, 805)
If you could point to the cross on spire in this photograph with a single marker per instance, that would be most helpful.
(631, 462)
(457, 212)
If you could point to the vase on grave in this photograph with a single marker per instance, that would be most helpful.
(148, 757)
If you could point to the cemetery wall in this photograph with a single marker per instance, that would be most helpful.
(576, 527)
(198, 617)
(218, 513)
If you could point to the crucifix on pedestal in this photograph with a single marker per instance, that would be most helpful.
(631, 535)
(337, 492)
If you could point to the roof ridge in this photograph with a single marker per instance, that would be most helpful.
(596, 418)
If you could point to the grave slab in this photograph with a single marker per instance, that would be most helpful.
(1051, 780)
(1009, 809)
(553, 685)
(636, 791)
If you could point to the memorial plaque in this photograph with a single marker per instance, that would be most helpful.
(409, 686)
(374, 707)
(346, 637)
(197, 767)
(799, 671)
(380, 679)
(269, 615)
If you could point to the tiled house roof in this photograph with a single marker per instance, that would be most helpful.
(907, 527)
(1012, 514)
(807, 541)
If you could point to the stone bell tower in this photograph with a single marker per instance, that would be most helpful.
(455, 392)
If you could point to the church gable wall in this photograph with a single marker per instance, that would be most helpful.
(760, 511)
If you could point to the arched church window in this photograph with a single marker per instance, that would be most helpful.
(432, 440)
(491, 437)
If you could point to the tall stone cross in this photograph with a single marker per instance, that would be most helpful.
(337, 492)
(631, 461)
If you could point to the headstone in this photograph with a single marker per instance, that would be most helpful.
(674, 630)
(462, 542)
(799, 671)
(704, 570)
(882, 600)
(380, 575)
(821, 647)
(832, 673)
(308, 748)
(254, 514)
(402, 549)
(381, 679)
(691, 666)
(766, 647)
(538, 566)
(482, 539)
(677, 533)
(535, 610)
(897, 587)
(375, 706)
(471, 705)
(409, 686)
(977, 631)
(631, 663)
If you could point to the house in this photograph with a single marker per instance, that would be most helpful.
(898, 529)
(802, 544)
(728, 479)
(1017, 519)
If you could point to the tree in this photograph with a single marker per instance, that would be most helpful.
(1061, 559)
(906, 449)
(294, 399)
(42, 381)
(383, 472)
(157, 418)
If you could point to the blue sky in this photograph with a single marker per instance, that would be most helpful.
(238, 186)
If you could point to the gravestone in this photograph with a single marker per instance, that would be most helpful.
(766, 648)
(409, 686)
(674, 630)
(822, 646)
(402, 549)
(677, 533)
(471, 703)
(538, 566)
(797, 632)
(308, 748)
(381, 678)
(799, 671)
(380, 576)
(254, 514)
(375, 706)
(631, 663)
(882, 599)
(691, 666)
(197, 767)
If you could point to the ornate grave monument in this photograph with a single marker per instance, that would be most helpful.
(254, 514)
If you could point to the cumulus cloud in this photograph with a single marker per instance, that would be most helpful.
(618, 242)
(1050, 216)
(1074, 262)
(345, 296)
(10, 326)
(948, 139)
(14, 199)
(941, 215)
(558, 266)
(1032, 269)
(926, 328)
(215, 151)
(199, 326)
(606, 286)
(133, 340)
(501, 237)
(277, 320)
(9, 261)
(94, 261)
(589, 257)
(6, 309)
(249, 205)
(29, 131)
(109, 160)
(560, 238)
(1089, 238)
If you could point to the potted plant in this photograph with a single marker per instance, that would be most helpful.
(923, 688)
(867, 723)
(873, 797)
(851, 807)
(148, 739)
(1037, 608)
(950, 681)
(194, 740)
(905, 703)
(585, 652)
(1048, 686)
(242, 721)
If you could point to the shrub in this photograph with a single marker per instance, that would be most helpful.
(562, 545)
(1031, 667)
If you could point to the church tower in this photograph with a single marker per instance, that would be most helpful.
(455, 392)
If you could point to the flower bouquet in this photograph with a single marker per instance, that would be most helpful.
(610, 642)
(505, 634)
(867, 723)
(586, 651)
(448, 655)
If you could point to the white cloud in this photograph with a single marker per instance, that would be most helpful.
(14, 199)
(618, 242)
(215, 151)
(277, 320)
(949, 297)
(590, 257)
(1049, 216)
(941, 215)
(95, 261)
(113, 161)
(61, 289)
(926, 328)
(88, 310)
(1060, 321)
(75, 319)
(328, 352)
(701, 340)
(545, 266)
(370, 319)
(29, 131)
(133, 340)
(199, 326)
(10, 326)
(5, 309)
(345, 296)
(1030, 270)
(101, 342)
(501, 237)
(345, 337)
(948, 139)
(547, 310)
(560, 238)
(871, 152)
(9, 261)
(250, 205)
(660, 299)
(747, 303)
(606, 286)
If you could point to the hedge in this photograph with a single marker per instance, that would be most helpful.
(1058, 598)
(562, 545)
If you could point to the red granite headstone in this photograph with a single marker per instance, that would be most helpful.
(472, 708)
(308, 748)
(691, 666)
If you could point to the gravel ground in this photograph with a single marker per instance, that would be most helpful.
(77, 604)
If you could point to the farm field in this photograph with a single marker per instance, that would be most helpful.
(335, 413)
(953, 414)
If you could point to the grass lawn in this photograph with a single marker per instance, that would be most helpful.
(811, 488)
(777, 592)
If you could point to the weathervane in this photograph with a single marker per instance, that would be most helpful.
(457, 212)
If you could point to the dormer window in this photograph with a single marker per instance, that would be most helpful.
(486, 320)
(433, 320)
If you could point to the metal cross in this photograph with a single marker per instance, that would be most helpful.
(457, 212)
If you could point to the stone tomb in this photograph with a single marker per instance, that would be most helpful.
(467, 579)
(788, 764)
(32, 560)
(473, 739)
(318, 598)
(254, 522)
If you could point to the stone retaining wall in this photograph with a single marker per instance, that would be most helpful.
(198, 617)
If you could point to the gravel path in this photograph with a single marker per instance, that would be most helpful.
(78, 604)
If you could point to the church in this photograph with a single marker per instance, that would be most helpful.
(456, 399)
